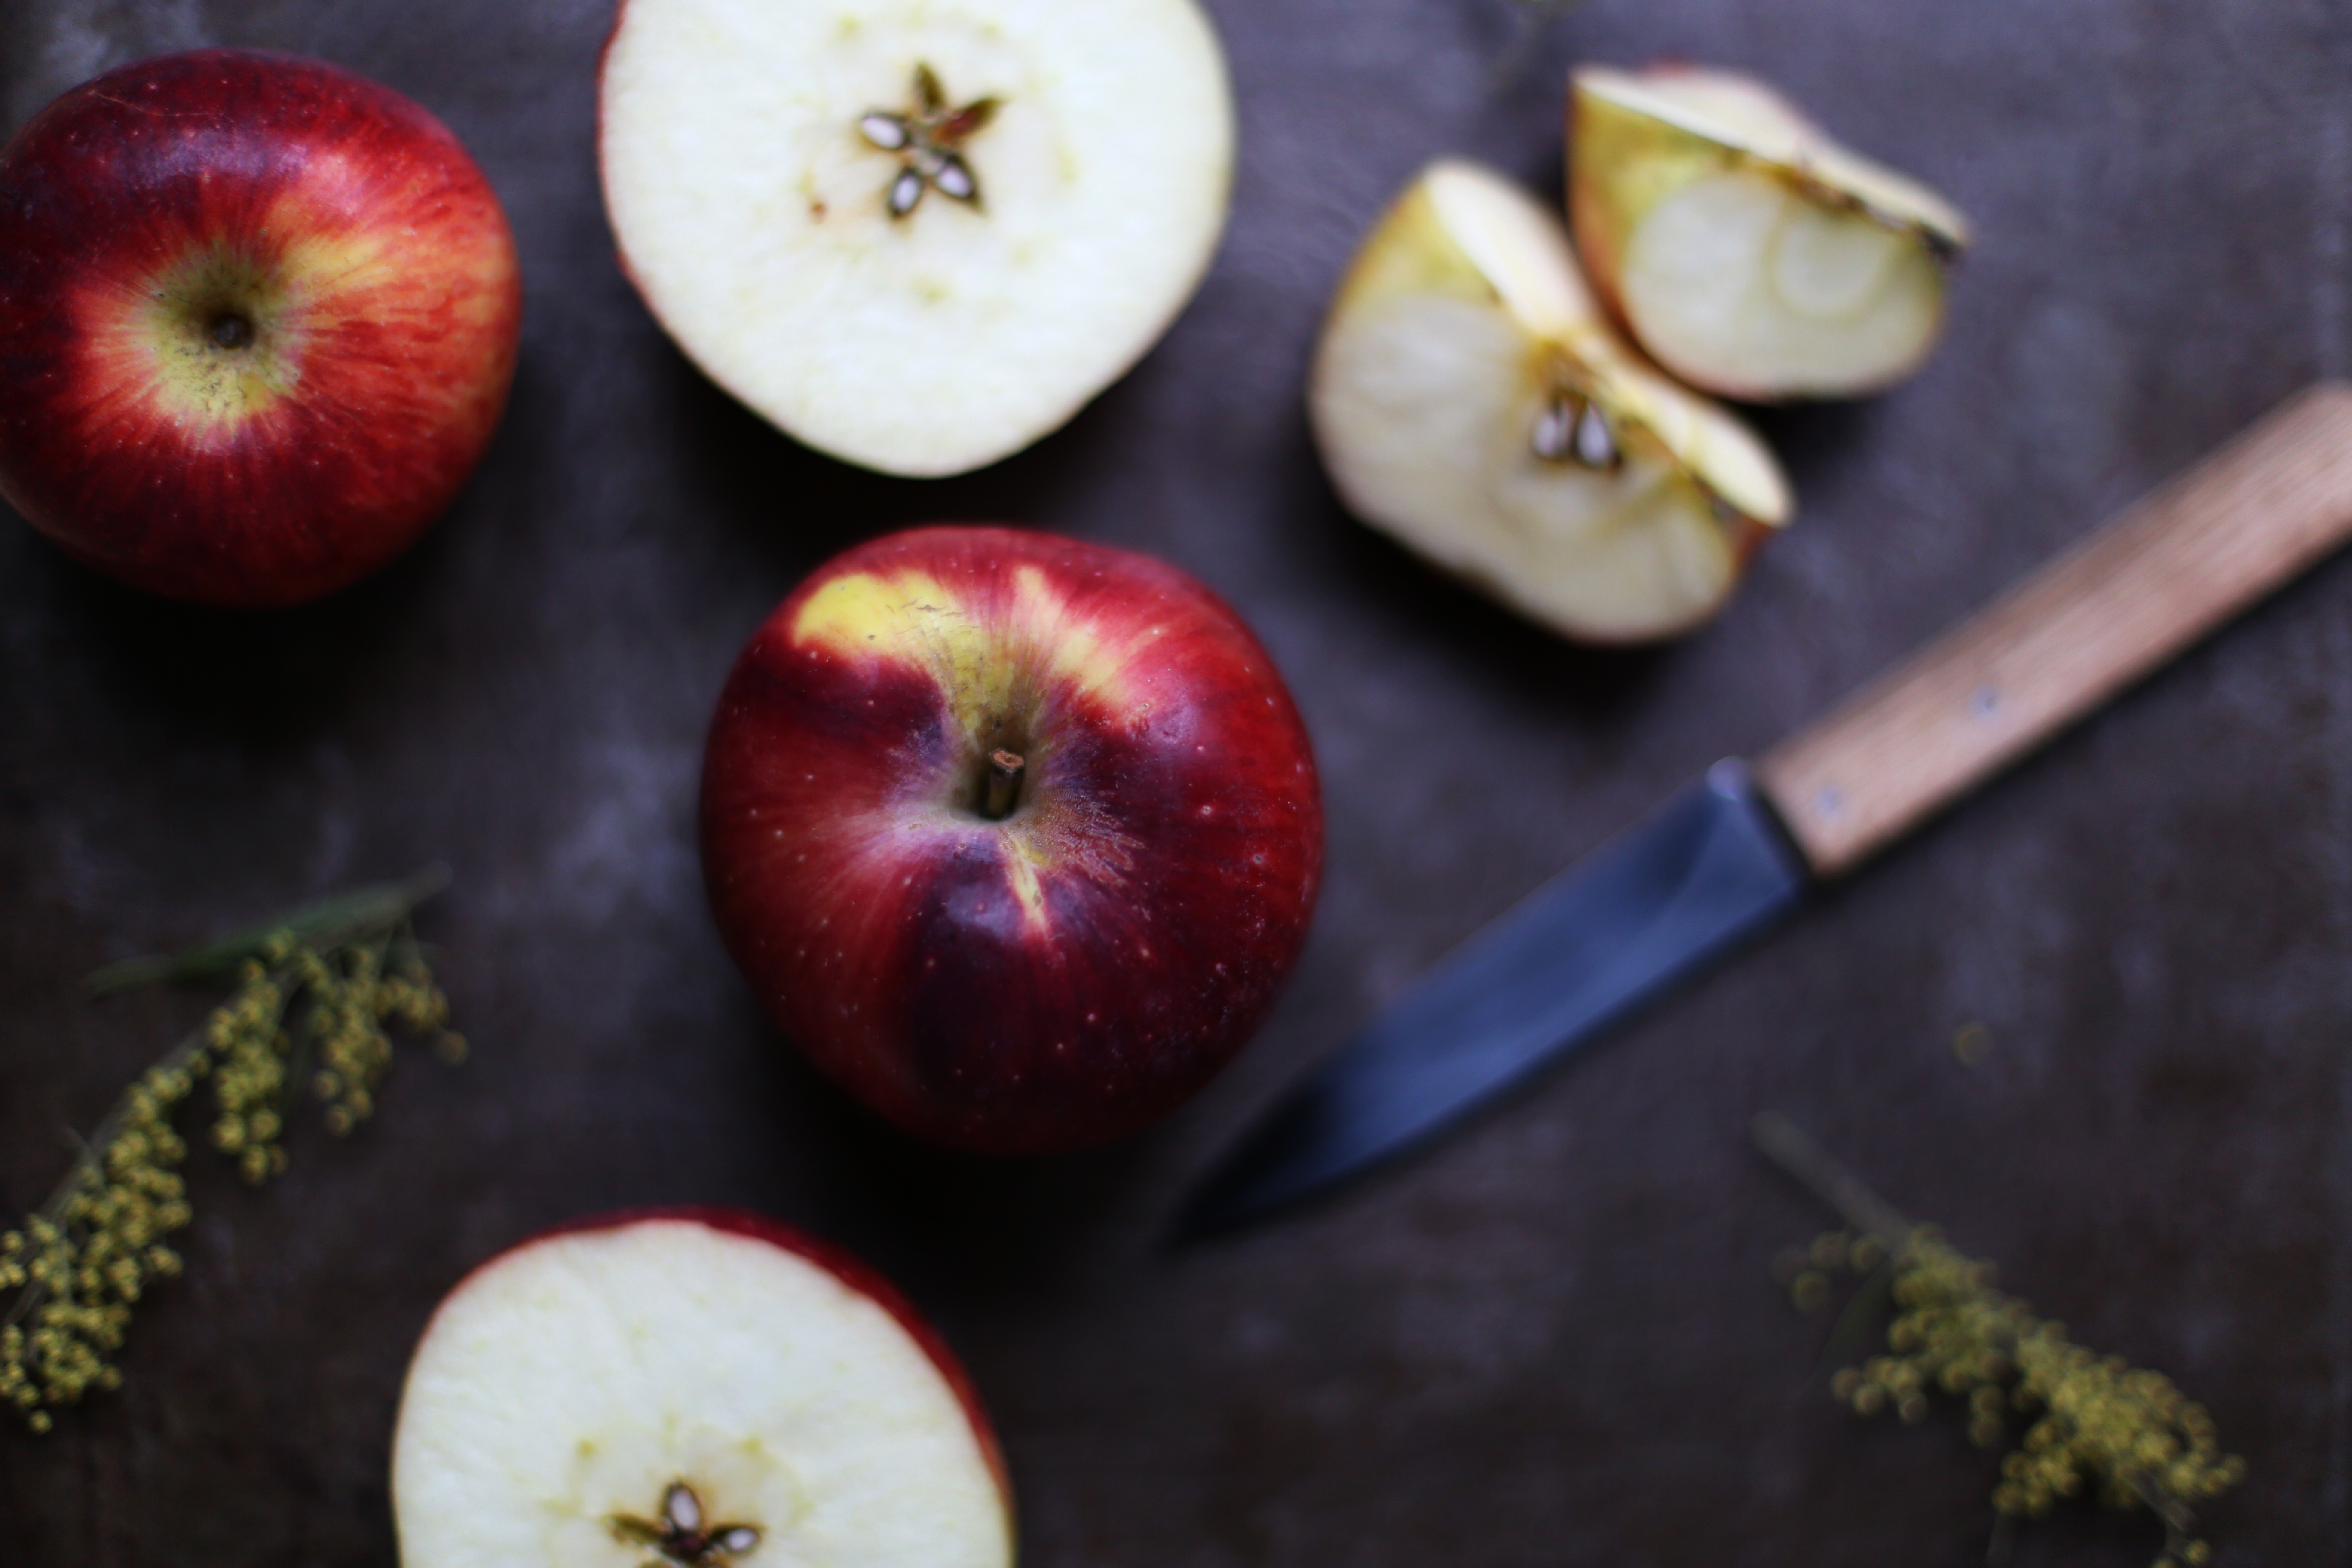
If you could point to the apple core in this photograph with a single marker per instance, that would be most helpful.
(680, 1537)
(928, 139)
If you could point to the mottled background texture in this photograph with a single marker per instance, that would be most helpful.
(1555, 1338)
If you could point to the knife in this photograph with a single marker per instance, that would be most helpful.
(1741, 846)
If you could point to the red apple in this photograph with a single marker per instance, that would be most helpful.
(692, 1387)
(1016, 835)
(260, 316)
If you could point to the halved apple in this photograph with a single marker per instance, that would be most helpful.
(917, 236)
(1470, 398)
(692, 1388)
(1747, 252)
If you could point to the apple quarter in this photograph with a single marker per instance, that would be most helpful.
(1470, 398)
(1747, 252)
(690, 1388)
(915, 234)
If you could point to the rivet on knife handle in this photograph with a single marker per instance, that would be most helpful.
(2207, 545)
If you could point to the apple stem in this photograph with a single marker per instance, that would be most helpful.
(1004, 771)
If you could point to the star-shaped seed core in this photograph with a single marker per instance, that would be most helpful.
(680, 1537)
(928, 139)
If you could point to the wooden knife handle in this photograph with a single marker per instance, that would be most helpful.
(2241, 523)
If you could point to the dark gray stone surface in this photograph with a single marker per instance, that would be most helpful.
(1554, 1340)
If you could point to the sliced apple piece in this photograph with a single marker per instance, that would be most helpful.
(694, 1389)
(917, 236)
(1470, 397)
(1747, 251)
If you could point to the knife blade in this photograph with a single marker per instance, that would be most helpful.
(1737, 850)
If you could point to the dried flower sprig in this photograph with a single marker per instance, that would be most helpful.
(2098, 1426)
(316, 992)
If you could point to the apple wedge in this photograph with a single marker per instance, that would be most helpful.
(1747, 252)
(689, 1388)
(916, 236)
(1470, 398)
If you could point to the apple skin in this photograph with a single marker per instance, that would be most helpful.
(853, 1272)
(1065, 976)
(377, 280)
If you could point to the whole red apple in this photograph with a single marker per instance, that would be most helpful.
(1016, 835)
(260, 317)
(691, 1386)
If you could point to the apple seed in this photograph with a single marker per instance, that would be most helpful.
(928, 139)
(1596, 447)
(904, 192)
(953, 179)
(1555, 430)
(930, 97)
(680, 1537)
(1574, 428)
(887, 132)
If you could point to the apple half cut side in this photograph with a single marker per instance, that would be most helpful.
(1470, 398)
(1747, 252)
(916, 236)
(696, 1388)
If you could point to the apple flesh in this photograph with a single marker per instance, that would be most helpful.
(1014, 836)
(1747, 252)
(261, 317)
(1470, 398)
(696, 1388)
(918, 238)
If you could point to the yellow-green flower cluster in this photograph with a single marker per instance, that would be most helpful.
(75, 1271)
(2098, 1425)
(352, 1002)
(2129, 1429)
(71, 1274)
(244, 1037)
